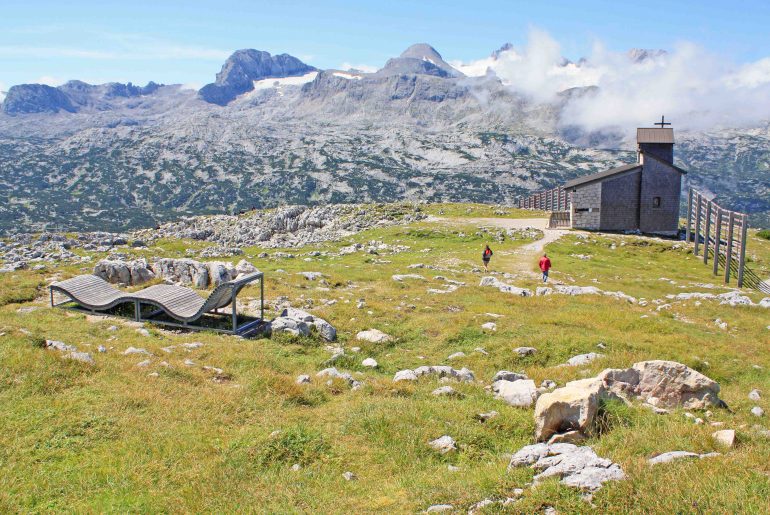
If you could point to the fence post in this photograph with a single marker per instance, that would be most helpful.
(729, 253)
(689, 216)
(717, 240)
(741, 263)
(697, 223)
(707, 234)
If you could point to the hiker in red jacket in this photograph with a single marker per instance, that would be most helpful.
(485, 257)
(545, 265)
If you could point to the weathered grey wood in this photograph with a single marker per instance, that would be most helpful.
(699, 202)
(729, 253)
(742, 260)
(707, 234)
(717, 239)
(689, 216)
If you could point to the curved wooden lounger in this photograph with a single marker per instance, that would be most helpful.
(91, 292)
(178, 302)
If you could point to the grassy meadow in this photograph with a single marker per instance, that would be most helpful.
(117, 437)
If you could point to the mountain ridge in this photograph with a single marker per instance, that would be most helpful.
(125, 159)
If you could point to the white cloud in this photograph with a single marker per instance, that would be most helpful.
(49, 81)
(367, 68)
(693, 88)
(195, 86)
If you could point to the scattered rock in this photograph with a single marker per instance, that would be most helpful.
(443, 444)
(483, 417)
(144, 364)
(311, 276)
(579, 467)
(373, 336)
(757, 411)
(754, 395)
(405, 375)
(525, 351)
(437, 508)
(574, 437)
(520, 394)
(333, 373)
(349, 476)
(489, 326)
(583, 359)
(670, 456)
(725, 437)
(324, 328)
(303, 379)
(446, 391)
(289, 326)
(456, 355)
(505, 375)
(403, 277)
(134, 350)
(494, 282)
(369, 363)
(83, 357)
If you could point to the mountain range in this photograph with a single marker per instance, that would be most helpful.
(272, 130)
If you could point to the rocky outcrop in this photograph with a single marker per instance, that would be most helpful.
(494, 282)
(124, 272)
(664, 384)
(185, 271)
(246, 66)
(440, 371)
(578, 467)
(661, 384)
(36, 98)
(324, 328)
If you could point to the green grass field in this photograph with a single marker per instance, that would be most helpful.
(110, 437)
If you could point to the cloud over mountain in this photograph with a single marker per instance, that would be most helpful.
(692, 87)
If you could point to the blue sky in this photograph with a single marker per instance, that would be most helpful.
(186, 42)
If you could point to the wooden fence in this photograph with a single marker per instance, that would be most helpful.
(720, 234)
(557, 199)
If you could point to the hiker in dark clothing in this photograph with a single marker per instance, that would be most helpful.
(485, 257)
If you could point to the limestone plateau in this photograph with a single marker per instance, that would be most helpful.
(272, 130)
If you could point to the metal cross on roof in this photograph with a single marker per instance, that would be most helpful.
(662, 122)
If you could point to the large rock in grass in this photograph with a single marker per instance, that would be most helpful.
(578, 467)
(665, 384)
(520, 394)
(571, 408)
(373, 336)
(324, 328)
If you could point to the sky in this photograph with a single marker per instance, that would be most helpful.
(715, 71)
(187, 42)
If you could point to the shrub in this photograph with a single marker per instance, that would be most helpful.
(764, 233)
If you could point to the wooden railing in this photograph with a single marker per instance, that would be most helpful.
(556, 199)
(720, 234)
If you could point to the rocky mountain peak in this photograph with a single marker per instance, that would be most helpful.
(244, 67)
(638, 55)
(505, 48)
(419, 59)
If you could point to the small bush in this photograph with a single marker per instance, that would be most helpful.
(764, 233)
(297, 444)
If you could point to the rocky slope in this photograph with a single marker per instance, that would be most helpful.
(273, 131)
